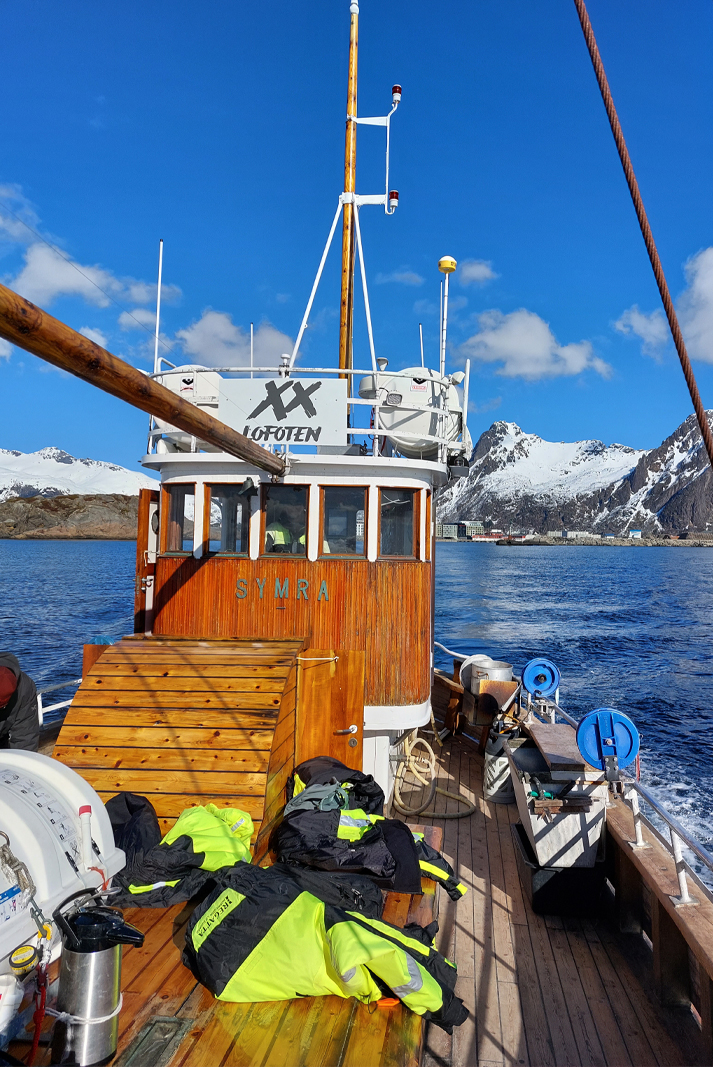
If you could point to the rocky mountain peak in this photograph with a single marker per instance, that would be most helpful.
(519, 478)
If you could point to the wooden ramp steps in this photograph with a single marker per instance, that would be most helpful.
(186, 722)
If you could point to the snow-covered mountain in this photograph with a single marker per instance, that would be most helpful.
(52, 472)
(518, 478)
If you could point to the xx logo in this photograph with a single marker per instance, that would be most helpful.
(300, 399)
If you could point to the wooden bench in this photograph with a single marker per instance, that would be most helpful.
(169, 1020)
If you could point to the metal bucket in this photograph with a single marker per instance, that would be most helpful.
(497, 776)
(477, 669)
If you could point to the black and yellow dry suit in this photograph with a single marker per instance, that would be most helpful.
(324, 770)
(434, 865)
(202, 840)
(259, 936)
(324, 827)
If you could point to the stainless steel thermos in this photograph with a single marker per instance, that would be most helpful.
(90, 982)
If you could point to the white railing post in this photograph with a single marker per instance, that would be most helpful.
(684, 897)
(638, 841)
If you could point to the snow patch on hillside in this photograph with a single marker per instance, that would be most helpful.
(53, 472)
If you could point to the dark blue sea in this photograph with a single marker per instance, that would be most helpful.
(629, 628)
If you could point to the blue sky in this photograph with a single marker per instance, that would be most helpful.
(220, 128)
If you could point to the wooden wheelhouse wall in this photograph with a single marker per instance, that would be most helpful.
(382, 607)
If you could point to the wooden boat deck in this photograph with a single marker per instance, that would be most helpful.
(540, 991)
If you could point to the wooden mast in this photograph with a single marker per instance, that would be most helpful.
(346, 310)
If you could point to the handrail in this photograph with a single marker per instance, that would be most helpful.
(275, 371)
(671, 821)
(58, 685)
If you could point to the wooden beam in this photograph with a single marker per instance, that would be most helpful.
(28, 327)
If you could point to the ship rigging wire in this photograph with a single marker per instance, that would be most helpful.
(644, 225)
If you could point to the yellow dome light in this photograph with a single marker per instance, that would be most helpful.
(447, 264)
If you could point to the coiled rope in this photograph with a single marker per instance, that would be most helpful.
(422, 764)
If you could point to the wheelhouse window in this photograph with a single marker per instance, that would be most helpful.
(397, 527)
(181, 511)
(343, 521)
(285, 517)
(228, 518)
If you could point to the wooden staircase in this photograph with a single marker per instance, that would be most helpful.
(187, 722)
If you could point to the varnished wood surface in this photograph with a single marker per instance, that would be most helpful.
(381, 608)
(311, 1032)
(541, 991)
(186, 723)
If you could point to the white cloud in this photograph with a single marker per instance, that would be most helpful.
(94, 335)
(476, 272)
(403, 277)
(215, 341)
(487, 405)
(425, 307)
(651, 329)
(695, 307)
(15, 211)
(5, 349)
(47, 274)
(136, 318)
(525, 346)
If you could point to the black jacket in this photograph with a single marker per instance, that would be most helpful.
(19, 723)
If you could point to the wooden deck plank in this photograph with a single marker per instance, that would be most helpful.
(196, 700)
(209, 670)
(139, 684)
(515, 1047)
(179, 718)
(584, 1026)
(232, 738)
(634, 1035)
(216, 760)
(172, 804)
(226, 1021)
(547, 979)
(613, 1045)
(254, 1040)
(666, 1051)
(153, 782)
(486, 978)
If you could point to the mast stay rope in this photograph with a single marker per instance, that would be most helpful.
(645, 227)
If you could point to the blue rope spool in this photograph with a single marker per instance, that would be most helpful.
(540, 677)
(607, 733)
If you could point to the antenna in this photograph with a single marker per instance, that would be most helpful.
(158, 306)
(420, 331)
(446, 265)
(251, 350)
(440, 329)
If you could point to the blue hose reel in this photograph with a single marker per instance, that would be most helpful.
(608, 740)
(540, 678)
